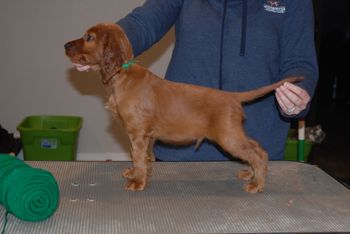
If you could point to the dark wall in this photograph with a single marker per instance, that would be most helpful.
(333, 35)
(332, 19)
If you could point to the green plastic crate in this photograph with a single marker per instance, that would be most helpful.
(50, 138)
(291, 150)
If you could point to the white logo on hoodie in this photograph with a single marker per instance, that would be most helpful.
(274, 6)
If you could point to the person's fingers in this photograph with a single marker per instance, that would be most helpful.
(286, 105)
(292, 99)
(298, 95)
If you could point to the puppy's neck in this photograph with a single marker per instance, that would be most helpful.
(108, 78)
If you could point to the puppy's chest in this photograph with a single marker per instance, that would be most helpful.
(116, 104)
(112, 106)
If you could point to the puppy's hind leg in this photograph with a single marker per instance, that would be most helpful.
(137, 175)
(258, 159)
(238, 145)
(248, 174)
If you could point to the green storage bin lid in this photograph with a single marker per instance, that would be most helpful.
(51, 122)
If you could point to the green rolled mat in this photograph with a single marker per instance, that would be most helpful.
(30, 194)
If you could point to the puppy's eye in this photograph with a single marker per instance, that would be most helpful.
(89, 37)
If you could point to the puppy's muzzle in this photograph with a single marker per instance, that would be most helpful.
(68, 46)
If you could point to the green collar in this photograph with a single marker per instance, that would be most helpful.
(128, 64)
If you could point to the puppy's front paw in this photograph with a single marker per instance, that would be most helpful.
(132, 185)
(253, 187)
(129, 173)
(136, 179)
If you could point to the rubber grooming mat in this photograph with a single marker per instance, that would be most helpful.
(191, 197)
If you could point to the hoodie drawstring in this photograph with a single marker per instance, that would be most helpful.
(222, 43)
(244, 27)
(243, 35)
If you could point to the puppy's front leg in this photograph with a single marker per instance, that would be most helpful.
(137, 176)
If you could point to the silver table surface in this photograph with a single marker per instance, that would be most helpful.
(191, 197)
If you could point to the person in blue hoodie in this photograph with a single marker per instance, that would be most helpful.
(235, 45)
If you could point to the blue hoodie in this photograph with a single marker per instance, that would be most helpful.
(234, 45)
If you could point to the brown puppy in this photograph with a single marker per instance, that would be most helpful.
(151, 108)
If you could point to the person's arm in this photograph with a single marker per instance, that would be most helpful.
(147, 24)
(298, 58)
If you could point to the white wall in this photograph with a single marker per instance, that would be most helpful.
(36, 78)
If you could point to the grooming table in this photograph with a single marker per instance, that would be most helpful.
(191, 197)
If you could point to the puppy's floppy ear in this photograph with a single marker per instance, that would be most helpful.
(112, 55)
(116, 49)
(124, 43)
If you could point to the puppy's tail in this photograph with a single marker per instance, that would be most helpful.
(260, 92)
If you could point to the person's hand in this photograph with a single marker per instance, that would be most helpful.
(292, 99)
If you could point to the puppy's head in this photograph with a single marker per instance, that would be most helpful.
(103, 47)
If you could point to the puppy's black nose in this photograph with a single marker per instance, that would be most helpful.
(68, 45)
